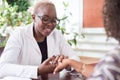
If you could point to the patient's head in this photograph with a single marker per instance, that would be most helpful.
(111, 16)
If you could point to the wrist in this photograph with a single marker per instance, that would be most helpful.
(68, 62)
(39, 72)
(83, 68)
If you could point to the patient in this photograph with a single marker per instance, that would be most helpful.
(109, 66)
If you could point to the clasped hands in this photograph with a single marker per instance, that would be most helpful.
(52, 64)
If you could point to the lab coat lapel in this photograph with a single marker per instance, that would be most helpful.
(34, 43)
(50, 45)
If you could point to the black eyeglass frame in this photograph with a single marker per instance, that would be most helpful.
(47, 21)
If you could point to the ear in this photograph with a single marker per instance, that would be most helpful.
(33, 17)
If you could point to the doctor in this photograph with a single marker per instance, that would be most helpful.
(30, 45)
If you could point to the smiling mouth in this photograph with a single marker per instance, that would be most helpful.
(48, 30)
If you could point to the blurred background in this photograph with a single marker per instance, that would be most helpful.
(81, 23)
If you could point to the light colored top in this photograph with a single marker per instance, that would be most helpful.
(22, 56)
(108, 67)
(15, 78)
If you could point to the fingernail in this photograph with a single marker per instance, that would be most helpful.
(54, 62)
(59, 60)
(54, 72)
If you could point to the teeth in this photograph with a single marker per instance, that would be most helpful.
(49, 28)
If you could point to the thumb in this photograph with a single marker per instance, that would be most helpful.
(57, 69)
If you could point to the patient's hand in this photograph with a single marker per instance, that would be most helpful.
(88, 70)
(61, 65)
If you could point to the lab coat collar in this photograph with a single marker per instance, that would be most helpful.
(50, 40)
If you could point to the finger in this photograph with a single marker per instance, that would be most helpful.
(48, 60)
(65, 57)
(53, 57)
(53, 61)
(57, 69)
(61, 58)
(56, 59)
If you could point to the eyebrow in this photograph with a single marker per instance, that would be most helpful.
(46, 16)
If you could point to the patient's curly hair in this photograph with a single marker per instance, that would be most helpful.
(111, 18)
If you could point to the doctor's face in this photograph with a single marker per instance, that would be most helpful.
(46, 21)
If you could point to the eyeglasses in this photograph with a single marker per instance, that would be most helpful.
(46, 19)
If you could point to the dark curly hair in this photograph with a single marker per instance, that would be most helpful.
(111, 18)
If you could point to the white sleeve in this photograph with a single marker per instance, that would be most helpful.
(9, 63)
(14, 78)
(23, 71)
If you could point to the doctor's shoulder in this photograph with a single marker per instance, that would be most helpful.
(18, 31)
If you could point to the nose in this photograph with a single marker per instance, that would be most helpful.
(51, 24)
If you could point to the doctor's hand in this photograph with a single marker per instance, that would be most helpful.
(47, 66)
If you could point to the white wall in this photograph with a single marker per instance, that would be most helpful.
(76, 8)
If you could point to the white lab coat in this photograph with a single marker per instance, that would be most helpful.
(22, 56)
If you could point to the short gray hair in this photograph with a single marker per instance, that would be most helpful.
(40, 5)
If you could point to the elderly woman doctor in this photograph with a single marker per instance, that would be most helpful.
(30, 45)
